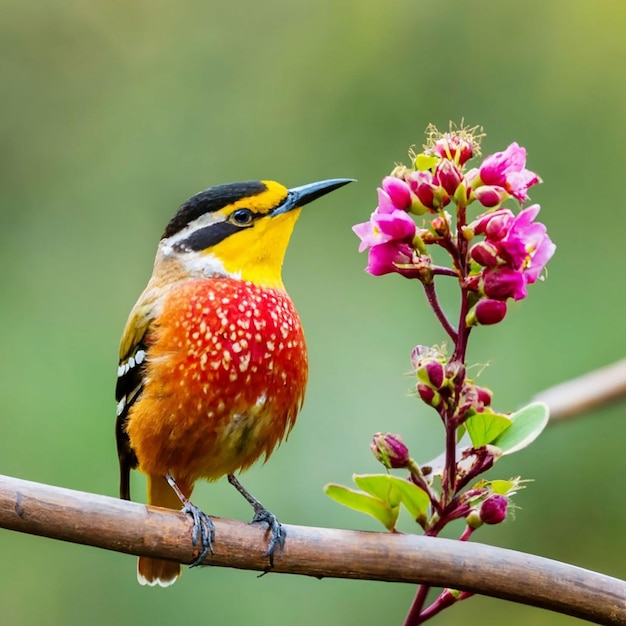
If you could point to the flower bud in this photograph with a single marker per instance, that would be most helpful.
(434, 373)
(455, 371)
(420, 355)
(485, 254)
(390, 450)
(489, 195)
(428, 395)
(425, 193)
(496, 224)
(485, 396)
(473, 519)
(398, 191)
(490, 311)
(448, 176)
(440, 225)
(493, 509)
(503, 283)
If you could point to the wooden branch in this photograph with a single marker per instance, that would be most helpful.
(589, 391)
(133, 528)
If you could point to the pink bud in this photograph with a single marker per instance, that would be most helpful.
(448, 176)
(496, 224)
(485, 254)
(490, 311)
(390, 450)
(493, 509)
(503, 283)
(399, 192)
(489, 195)
(425, 193)
(440, 225)
(484, 395)
(434, 372)
(428, 394)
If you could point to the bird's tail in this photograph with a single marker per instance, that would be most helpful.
(158, 571)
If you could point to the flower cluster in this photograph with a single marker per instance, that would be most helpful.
(513, 253)
(495, 256)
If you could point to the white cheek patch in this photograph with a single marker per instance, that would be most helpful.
(168, 246)
(205, 265)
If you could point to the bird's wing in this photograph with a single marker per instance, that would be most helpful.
(130, 379)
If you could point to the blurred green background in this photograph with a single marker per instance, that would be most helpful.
(113, 113)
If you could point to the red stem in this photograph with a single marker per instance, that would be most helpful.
(433, 300)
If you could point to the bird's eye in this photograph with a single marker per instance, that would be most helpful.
(241, 217)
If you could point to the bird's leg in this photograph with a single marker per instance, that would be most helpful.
(203, 528)
(262, 515)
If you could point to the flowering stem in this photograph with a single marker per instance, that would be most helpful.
(438, 270)
(414, 616)
(467, 533)
(444, 600)
(433, 300)
(449, 473)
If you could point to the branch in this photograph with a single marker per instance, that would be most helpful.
(589, 391)
(133, 528)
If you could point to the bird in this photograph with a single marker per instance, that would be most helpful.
(213, 361)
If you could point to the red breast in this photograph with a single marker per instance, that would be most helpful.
(226, 376)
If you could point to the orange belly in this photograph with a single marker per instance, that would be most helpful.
(225, 377)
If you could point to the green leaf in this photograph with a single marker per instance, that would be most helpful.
(502, 487)
(393, 491)
(527, 424)
(414, 498)
(364, 503)
(485, 427)
(379, 486)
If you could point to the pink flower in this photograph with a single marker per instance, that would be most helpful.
(508, 170)
(389, 257)
(527, 243)
(452, 146)
(398, 191)
(513, 245)
(503, 282)
(386, 224)
(385, 227)
(427, 191)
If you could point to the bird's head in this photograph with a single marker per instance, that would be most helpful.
(239, 229)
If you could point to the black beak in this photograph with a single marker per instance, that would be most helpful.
(299, 196)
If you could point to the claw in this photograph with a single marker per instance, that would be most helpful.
(277, 532)
(263, 516)
(203, 531)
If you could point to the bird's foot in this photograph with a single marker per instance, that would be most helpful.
(263, 516)
(203, 531)
(277, 532)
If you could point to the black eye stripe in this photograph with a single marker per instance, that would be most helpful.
(211, 200)
(207, 237)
